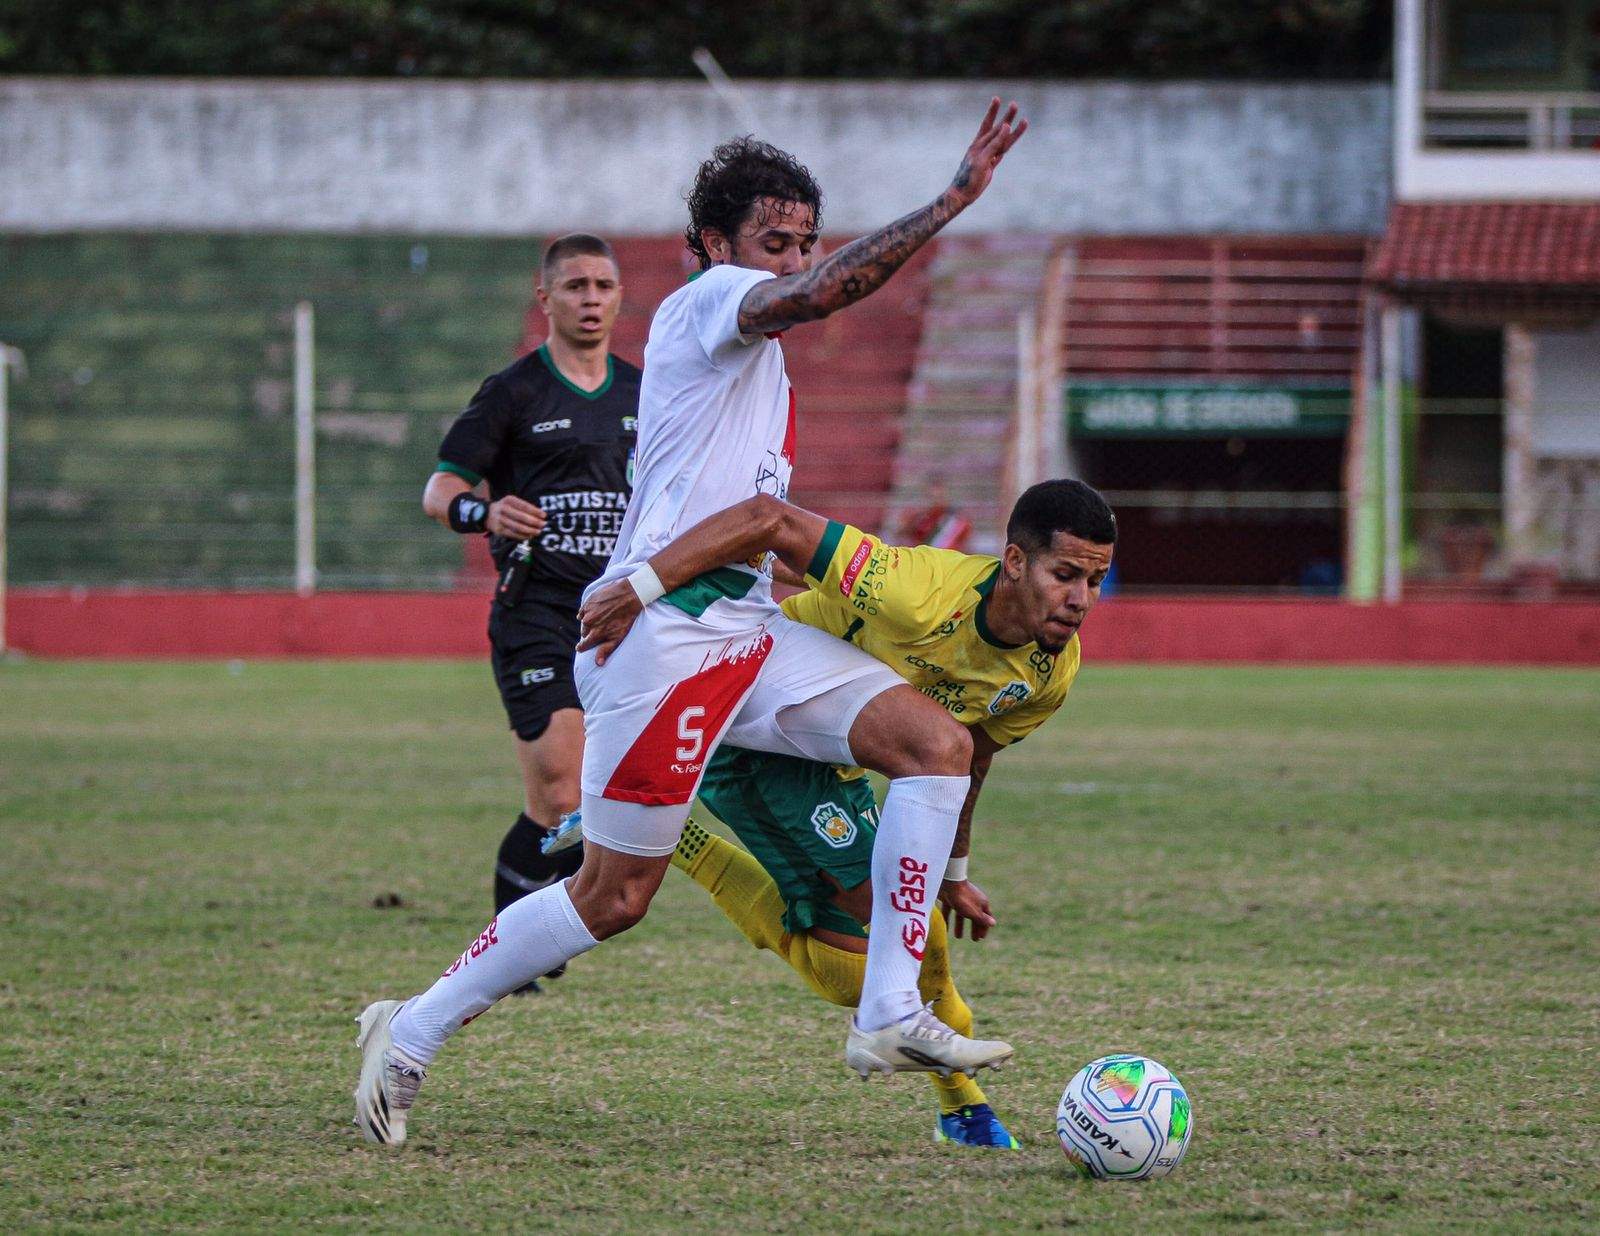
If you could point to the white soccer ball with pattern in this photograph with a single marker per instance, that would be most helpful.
(1124, 1117)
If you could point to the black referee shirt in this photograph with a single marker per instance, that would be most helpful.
(530, 432)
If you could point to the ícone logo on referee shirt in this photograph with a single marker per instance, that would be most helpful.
(1008, 697)
(833, 825)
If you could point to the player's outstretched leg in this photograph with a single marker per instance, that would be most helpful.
(399, 1040)
(534, 935)
(925, 754)
(752, 901)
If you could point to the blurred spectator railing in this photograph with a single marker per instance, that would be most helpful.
(1511, 120)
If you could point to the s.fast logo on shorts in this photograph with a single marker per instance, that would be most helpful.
(833, 825)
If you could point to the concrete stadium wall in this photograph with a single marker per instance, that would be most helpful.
(1143, 630)
(499, 158)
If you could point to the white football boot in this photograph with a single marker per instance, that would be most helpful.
(920, 1043)
(389, 1078)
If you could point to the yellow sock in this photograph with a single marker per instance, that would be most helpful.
(737, 883)
(748, 896)
(936, 984)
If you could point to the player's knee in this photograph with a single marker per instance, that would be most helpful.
(563, 796)
(944, 749)
(617, 912)
(610, 910)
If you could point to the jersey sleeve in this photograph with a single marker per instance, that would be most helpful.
(1019, 722)
(714, 300)
(473, 441)
(904, 592)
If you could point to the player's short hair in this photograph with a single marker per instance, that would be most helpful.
(739, 175)
(574, 244)
(1060, 506)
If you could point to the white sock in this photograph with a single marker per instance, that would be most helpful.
(530, 937)
(908, 860)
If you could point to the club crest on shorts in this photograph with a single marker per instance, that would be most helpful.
(833, 825)
(1008, 697)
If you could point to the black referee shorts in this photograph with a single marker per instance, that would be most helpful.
(531, 648)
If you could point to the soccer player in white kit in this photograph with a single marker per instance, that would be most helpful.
(716, 659)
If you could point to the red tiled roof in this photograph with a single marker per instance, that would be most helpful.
(1490, 244)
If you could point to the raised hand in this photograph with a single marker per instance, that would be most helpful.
(996, 135)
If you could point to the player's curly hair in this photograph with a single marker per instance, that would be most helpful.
(737, 176)
(1060, 506)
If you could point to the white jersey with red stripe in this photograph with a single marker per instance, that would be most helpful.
(716, 422)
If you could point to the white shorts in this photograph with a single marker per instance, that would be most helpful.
(677, 686)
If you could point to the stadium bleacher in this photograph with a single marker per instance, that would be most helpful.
(1283, 309)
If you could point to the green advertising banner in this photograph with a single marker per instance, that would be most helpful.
(1197, 410)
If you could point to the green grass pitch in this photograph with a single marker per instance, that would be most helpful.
(1356, 911)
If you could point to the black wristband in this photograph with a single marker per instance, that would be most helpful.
(468, 513)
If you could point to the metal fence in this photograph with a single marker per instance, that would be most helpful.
(153, 439)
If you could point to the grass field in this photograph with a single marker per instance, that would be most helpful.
(1357, 911)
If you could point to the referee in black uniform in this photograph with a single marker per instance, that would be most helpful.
(542, 460)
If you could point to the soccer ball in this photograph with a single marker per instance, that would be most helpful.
(1124, 1118)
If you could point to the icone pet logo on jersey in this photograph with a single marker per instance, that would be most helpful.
(833, 825)
(547, 426)
(912, 898)
(1008, 697)
(854, 567)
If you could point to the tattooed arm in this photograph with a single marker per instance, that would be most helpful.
(863, 266)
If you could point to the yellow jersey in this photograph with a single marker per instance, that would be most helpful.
(921, 611)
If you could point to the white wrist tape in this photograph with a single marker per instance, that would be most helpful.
(647, 584)
(956, 870)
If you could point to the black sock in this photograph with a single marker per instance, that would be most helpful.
(521, 869)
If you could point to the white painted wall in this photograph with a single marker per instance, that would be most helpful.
(1468, 175)
(1566, 394)
(505, 158)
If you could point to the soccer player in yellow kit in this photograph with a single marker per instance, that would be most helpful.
(993, 640)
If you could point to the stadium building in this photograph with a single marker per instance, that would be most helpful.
(1315, 340)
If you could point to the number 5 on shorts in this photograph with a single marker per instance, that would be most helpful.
(692, 730)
